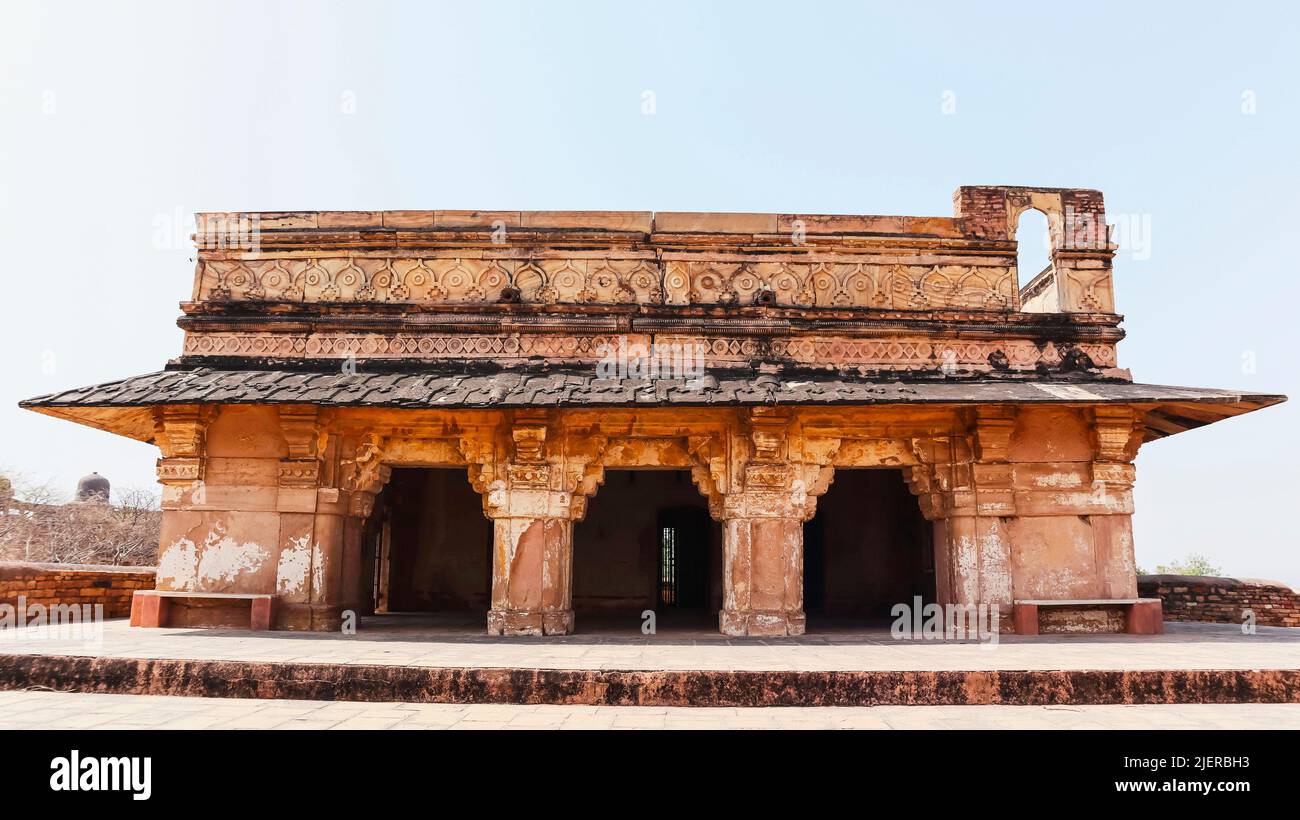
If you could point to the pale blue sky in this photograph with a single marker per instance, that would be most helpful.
(117, 120)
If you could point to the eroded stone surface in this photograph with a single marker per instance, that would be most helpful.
(644, 688)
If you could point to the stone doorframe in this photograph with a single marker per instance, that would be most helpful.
(1002, 513)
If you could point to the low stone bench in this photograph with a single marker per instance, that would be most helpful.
(1142, 616)
(153, 607)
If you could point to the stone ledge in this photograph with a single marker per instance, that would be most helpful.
(18, 569)
(370, 683)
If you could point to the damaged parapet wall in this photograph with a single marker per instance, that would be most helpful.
(1223, 600)
(73, 584)
(324, 349)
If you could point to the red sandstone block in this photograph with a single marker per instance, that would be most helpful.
(148, 609)
(1024, 617)
(1145, 618)
(262, 614)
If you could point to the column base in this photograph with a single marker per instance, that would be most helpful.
(758, 623)
(301, 617)
(530, 622)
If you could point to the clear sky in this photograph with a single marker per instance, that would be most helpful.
(119, 120)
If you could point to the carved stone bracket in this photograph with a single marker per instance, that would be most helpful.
(364, 474)
(709, 469)
(943, 478)
(990, 429)
(1117, 433)
(302, 434)
(180, 433)
(181, 430)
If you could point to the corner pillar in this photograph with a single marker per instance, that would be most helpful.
(965, 488)
(1117, 433)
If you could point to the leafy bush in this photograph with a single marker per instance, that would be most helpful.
(1193, 564)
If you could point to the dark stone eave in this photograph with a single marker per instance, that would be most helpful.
(429, 388)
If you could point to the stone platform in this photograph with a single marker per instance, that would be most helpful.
(438, 660)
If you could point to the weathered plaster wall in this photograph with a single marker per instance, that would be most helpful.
(228, 537)
(259, 499)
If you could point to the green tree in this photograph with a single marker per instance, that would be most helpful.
(1194, 564)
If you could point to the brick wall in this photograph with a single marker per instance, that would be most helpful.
(1221, 600)
(74, 584)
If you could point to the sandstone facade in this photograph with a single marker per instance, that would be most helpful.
(535, 352)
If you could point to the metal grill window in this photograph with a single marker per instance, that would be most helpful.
(668, 591)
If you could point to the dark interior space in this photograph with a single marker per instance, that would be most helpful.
(867, 548)
(647, 543)
(429, 546)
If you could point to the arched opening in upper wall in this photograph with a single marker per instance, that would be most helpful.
(1034, 263)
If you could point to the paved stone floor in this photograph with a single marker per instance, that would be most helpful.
(50, 710)
(428, 641)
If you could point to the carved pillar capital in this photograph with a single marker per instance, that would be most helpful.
(768, 429)
(1118, 476)
(528, 436)
(181, 476)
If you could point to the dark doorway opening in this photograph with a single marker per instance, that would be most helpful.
(867, 549)
(647, 543)
(428, 545)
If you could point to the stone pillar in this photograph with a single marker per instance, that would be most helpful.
(1082, 254)
(299, 567)
(251, 506)
(762, 570)
(767, 482)
(534, 489)
(532, 561)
